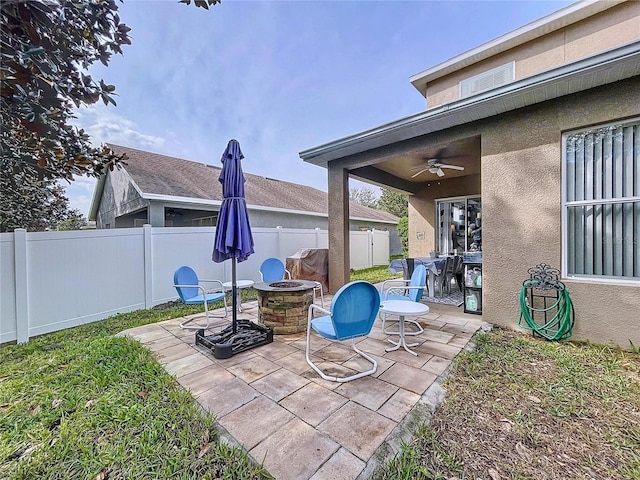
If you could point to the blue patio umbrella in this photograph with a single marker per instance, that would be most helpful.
(233, 238)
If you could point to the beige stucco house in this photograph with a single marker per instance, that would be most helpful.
(165, 191)
(545, 121)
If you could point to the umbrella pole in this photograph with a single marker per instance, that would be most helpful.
(234, 297)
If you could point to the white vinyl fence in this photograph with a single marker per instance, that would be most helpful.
(50, 281)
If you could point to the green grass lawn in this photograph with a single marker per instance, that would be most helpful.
(518, 407)
(84, 404)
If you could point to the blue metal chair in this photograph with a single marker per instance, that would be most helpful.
(191, 292)
(352, 314)
(272, 269)
(410, 290)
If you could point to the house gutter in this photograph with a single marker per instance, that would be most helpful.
(603, 68)
(216, 203)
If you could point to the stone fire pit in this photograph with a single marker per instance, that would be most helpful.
(284, 305)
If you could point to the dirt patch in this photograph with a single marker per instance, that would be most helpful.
(168, 305)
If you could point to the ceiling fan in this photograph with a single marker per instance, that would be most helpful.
(435, 165)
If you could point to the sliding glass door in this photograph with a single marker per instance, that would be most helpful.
(459, 225)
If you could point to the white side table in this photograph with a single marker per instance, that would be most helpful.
(403, 308)
(240, 284)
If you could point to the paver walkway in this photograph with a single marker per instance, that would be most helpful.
(269, 401)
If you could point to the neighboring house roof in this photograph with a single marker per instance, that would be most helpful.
(173, 179)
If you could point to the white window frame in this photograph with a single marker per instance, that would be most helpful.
(439, 219)
(566, 205)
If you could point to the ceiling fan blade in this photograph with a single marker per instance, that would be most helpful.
(452, 167)
(440, 172)
(421, 171)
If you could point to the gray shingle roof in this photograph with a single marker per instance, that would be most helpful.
(164, 175)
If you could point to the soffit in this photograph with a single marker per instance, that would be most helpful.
(356, 151)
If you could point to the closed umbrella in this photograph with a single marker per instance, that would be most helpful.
(233, 241)
(233, 238)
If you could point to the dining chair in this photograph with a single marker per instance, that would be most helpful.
(187, 284)
(410, 290)
(351, 315)
(444, 275)
(458, 269)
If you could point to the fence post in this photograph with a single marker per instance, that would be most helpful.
(148, 265)
(370, 248)
(279, 250)
(21, 283)
(317, 237)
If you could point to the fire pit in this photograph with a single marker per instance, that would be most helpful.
(284, 305)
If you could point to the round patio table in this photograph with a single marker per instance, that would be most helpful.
(403, 308)
(240, 284)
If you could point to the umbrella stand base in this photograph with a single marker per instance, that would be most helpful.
(226, 343)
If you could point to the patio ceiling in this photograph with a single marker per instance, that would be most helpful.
(399, 170)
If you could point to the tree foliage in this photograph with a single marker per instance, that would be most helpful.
(202, 3)
(403, 233)
(74, 220)
(38, 207)
(394, 202)
(47, 48)
(364, 196)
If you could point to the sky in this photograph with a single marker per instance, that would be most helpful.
(279, 76)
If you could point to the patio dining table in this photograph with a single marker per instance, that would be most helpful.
(433, 266)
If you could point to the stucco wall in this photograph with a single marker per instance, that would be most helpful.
(613, 27)
(422, 212)
(521, 205)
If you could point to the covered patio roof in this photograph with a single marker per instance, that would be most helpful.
(389, 155)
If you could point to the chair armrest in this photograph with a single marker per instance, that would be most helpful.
(212, 281)
(408, 287)
(200, 287)
(395, 280)
(314, 307)
(288, 273)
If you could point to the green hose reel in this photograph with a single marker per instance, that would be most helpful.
(545, 305)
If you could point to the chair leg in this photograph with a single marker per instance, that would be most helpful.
(372, 370)
(318, 286)
(184, 325)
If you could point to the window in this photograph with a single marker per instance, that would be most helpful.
(601, 205)
(205, 221)
(459, 224)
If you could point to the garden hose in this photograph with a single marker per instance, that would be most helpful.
(561, 323)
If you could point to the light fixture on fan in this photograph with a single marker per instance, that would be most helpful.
(435, 166)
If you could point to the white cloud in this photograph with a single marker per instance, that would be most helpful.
(105, 126)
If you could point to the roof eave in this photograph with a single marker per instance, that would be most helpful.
(97, 196)
(538, 28)
(601, 69)
(200, 202)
